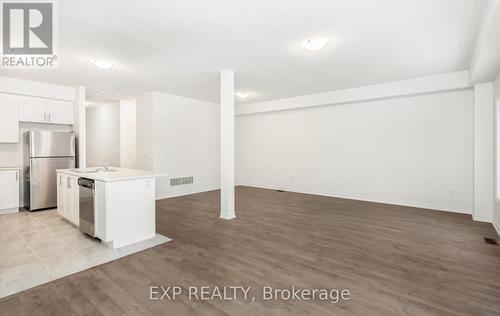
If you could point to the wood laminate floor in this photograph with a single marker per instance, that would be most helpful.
(395, 261)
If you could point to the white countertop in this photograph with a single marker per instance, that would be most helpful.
(119, 174)
(9, 168)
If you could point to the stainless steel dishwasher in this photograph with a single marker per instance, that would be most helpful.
(87, 206)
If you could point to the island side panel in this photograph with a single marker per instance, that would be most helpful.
(131, 211)
(101, 212)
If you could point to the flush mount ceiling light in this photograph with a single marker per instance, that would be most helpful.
(102, 63)
(315, 44)
(243, 95)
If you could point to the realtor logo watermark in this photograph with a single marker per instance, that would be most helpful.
(28, 34)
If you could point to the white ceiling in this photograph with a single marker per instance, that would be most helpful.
(178, 47)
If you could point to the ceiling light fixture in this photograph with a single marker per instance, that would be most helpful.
(102, 63)
(315, 44)
(243, 95)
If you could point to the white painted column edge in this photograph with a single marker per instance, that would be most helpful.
(81, 126)
(227, 144)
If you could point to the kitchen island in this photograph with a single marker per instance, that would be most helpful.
(123, 202)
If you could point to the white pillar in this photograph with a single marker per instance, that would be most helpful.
(128, 136)
(484, 161)
(81, 127)
(227, 144)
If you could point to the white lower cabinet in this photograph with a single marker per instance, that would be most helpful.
(68, 198)
(9, 192)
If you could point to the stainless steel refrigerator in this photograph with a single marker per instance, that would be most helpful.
(44, 153)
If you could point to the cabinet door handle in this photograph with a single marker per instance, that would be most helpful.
(45, 117)
(17, 176)
(49, 117)
(69, 183)
(60, 181)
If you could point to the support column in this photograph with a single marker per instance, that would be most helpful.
(227, 144)
(484, 157)
(80, 127)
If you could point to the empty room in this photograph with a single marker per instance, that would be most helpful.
(237, 157)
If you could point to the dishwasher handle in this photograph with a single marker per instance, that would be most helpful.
(86, 183)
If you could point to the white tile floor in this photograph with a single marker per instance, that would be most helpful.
(39, 247)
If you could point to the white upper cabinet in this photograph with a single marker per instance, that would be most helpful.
(9, 121)
(60, 113)
(33, 112)
(47, 111)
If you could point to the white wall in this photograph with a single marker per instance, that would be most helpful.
(127, 133)
(412, 150)
(103, 135)
(179, 136)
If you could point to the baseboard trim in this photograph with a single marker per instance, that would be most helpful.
(227, 216)
(9, 211)
(496, 226)
(167, 196)
(482, 219)
(438, 207)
